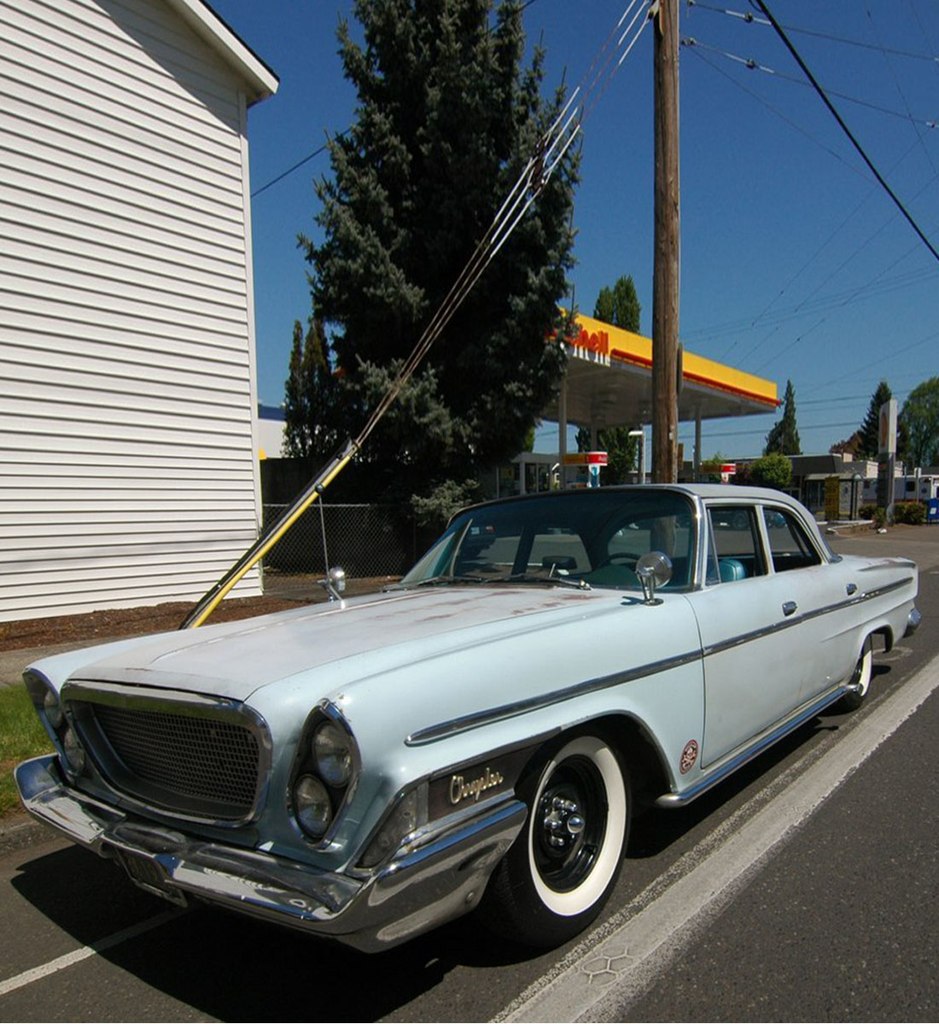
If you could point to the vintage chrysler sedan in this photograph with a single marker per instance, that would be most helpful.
(481, 734)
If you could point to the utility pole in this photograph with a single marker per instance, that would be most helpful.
(666, 368)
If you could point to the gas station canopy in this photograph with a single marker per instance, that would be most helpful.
(609, 383)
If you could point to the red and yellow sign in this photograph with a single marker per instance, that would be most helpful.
(585, 459)
(620, 346)
(593, 341)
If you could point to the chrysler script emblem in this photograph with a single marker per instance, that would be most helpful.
(466, 789)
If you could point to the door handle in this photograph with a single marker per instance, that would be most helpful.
(789, 608)
(851, 588)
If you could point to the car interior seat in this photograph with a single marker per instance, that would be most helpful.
(731, 569)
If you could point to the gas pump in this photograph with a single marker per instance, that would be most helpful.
(594, 461)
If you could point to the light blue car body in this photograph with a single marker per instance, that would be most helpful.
(450, 692)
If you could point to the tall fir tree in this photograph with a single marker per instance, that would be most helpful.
(619, 306)
(784, 437)
(446, 120)
(869, 445)
(603, 307)
(310, 396)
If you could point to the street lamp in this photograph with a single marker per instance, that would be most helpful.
(641, 434)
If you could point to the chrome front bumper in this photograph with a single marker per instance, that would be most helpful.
(419, 889)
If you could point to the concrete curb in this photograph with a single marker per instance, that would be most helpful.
(18, 831)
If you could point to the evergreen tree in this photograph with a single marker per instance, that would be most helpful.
(784, 437)
(870, 429)
(310, 396)
(603, 308)
(446, 120)
(619, 306)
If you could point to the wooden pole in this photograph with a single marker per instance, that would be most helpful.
(665, 283)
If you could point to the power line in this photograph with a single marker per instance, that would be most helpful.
(847, 131)
(754, 65)
(827, 36)
(280, 177)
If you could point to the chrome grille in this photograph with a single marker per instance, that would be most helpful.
(195, 764)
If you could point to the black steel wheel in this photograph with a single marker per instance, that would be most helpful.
(559, 872)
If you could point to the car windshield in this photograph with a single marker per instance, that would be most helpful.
(589, 537)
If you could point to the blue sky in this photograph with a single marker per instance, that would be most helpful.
(795, 262)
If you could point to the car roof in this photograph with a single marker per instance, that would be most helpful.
(705, 492)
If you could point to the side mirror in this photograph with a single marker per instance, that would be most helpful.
(335, 583)
(654, 570)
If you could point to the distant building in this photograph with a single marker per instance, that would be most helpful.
(271, 426)
(837, 483)
(129, 466)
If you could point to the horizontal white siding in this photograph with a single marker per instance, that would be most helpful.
(128, 471)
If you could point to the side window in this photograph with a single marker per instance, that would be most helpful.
(789, 545)
(735, 542)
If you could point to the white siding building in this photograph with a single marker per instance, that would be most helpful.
(128, 469)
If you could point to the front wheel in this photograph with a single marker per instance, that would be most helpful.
(559, 872)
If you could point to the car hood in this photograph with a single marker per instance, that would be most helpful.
(366, 634)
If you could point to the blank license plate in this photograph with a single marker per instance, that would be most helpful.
(149, 875)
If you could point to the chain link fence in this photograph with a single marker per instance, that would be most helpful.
(372, 543)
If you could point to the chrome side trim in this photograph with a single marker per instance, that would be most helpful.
(798, 619)
(755, 749)
(480, 718)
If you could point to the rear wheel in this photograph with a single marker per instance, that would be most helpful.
(860, 679)
(558, 874)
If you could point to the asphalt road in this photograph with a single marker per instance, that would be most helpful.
(805, 888)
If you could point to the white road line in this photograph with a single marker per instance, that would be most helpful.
(616, 966)
(77, 955)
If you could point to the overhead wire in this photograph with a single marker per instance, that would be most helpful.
(293, 167)
(750, 18)
(899, 87)
(844, 127)
(844, 298)
(806, 305)
(870, 165)
(753, 65)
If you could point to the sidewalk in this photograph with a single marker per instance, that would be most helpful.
(12, 663)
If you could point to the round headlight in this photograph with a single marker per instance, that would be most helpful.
(74, 752)
(313, 806)
(53, 709)
(332, 749)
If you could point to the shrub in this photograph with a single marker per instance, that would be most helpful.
(910, 512)
(773, 470)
